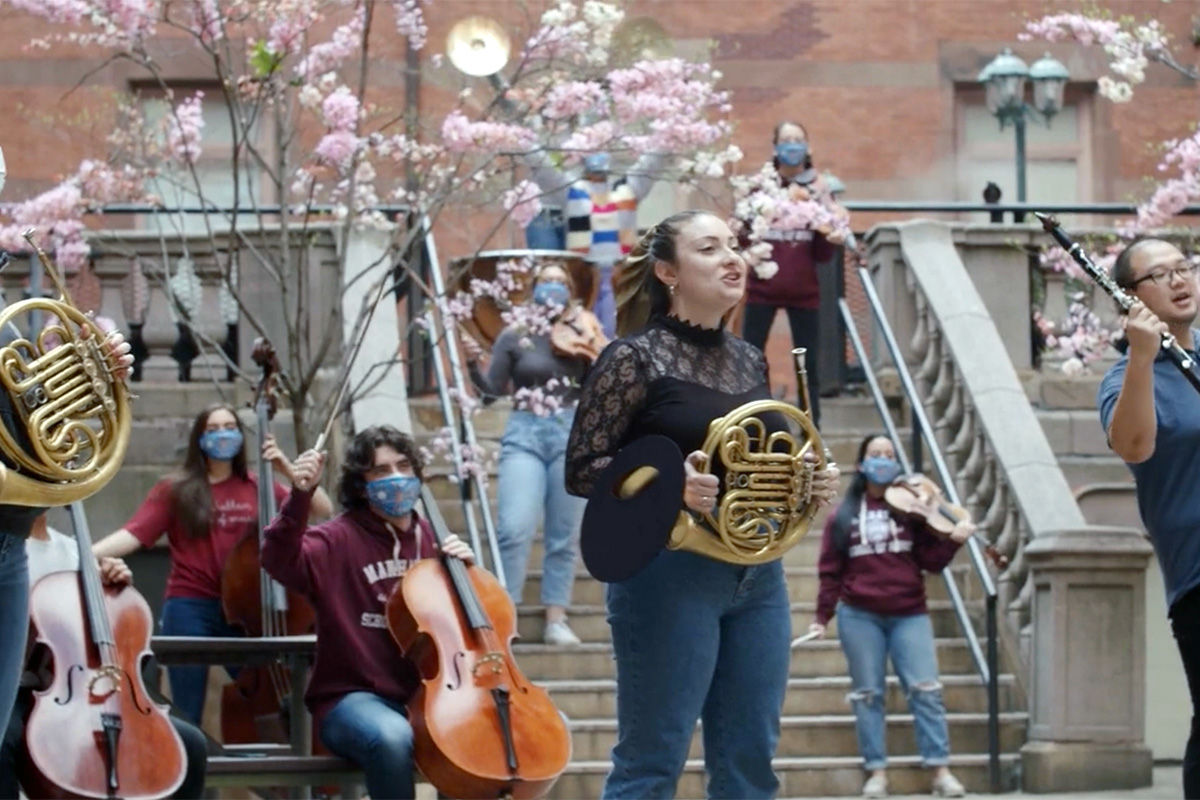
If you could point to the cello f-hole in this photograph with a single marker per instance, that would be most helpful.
(62, 701)
(133, 696)
(459, 670)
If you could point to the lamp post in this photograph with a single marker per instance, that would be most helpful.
(1004, 79)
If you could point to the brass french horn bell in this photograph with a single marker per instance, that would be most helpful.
(478, 46)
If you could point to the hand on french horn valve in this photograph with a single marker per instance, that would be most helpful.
(825, 482)
(117, 349)
(699, 489)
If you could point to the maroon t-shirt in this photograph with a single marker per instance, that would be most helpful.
(347, 567)
(196, 564)
(881, 569)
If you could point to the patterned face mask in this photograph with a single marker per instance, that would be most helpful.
(880, 471)
(395, 495)
(221, 445)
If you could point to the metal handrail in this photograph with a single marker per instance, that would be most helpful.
(469, 480)
(986, 664)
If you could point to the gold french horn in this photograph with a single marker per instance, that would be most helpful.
(74, 412)
(766, 505)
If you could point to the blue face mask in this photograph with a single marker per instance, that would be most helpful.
(551, 293)
(597, 163)
(221, 445)
(880, 471)
(791, 154)
(395, 495)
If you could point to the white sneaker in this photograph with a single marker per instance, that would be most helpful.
(876, 786)
(559, 633)
(948, 786)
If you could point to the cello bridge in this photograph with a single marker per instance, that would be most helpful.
(495, 659)
(110, 674)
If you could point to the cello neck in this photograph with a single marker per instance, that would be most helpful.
(464, 589)
(93, 589)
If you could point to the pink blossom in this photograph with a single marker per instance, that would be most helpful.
(573, 98)
(183, 129)
(341, 110)
(410, 22)
(460, 135)
(120, 24)
(337, 148)
(328, 56)
(524, 202)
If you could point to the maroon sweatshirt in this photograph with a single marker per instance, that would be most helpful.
(881, 572)
(795, 285)
(347, 568)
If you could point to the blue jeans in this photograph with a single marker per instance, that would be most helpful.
(606, 304)
(698, 638)
(532, 486)
(867, 640)
(193, 616)
(373, 733)
(14, 620)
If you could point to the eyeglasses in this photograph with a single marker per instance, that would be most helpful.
(1164, 276)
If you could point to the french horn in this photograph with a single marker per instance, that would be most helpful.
(766, 504)
(72, 414)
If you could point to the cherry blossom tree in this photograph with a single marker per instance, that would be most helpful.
(313, 144)
(1131, 46)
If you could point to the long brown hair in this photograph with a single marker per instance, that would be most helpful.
(191, 495)
(639, 294)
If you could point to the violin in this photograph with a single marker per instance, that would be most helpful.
(95, 732)
(578, 334)
(251, 706)
(918, 497)
(480, 727)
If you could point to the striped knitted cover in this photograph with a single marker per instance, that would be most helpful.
(601, 222)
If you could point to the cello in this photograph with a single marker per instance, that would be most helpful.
(480, 727)
(94, 732)
(251, 706)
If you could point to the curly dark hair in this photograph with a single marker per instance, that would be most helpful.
(360, 457)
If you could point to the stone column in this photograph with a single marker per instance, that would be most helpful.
(1087, 688)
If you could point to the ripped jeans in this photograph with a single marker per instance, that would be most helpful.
(867, 640)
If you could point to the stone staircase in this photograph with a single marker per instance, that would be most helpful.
(817, 755)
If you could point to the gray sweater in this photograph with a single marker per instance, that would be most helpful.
(522, 361)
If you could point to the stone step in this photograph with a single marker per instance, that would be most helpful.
(808, 776)
(582, 699)
(802, 585)
(155, 401)
(1082, 470)
(591, 660)
(1074, 431)
(590, 622)
(1110, 504)
(815, 736)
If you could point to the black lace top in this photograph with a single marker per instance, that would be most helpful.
(670, 378)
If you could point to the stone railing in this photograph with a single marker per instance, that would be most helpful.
(166, 293)
(964, 333)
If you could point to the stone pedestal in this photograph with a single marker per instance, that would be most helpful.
(1087, 690)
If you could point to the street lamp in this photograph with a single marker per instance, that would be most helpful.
(1004, 80)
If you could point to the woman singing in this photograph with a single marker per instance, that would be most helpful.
(205, 510)
(693, 637)
(871, 566)
(533, 448)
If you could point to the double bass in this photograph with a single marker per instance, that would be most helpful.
(480, 727)
(252, 705)
(95, 732)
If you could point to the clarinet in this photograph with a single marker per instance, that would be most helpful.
(1180, 357)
